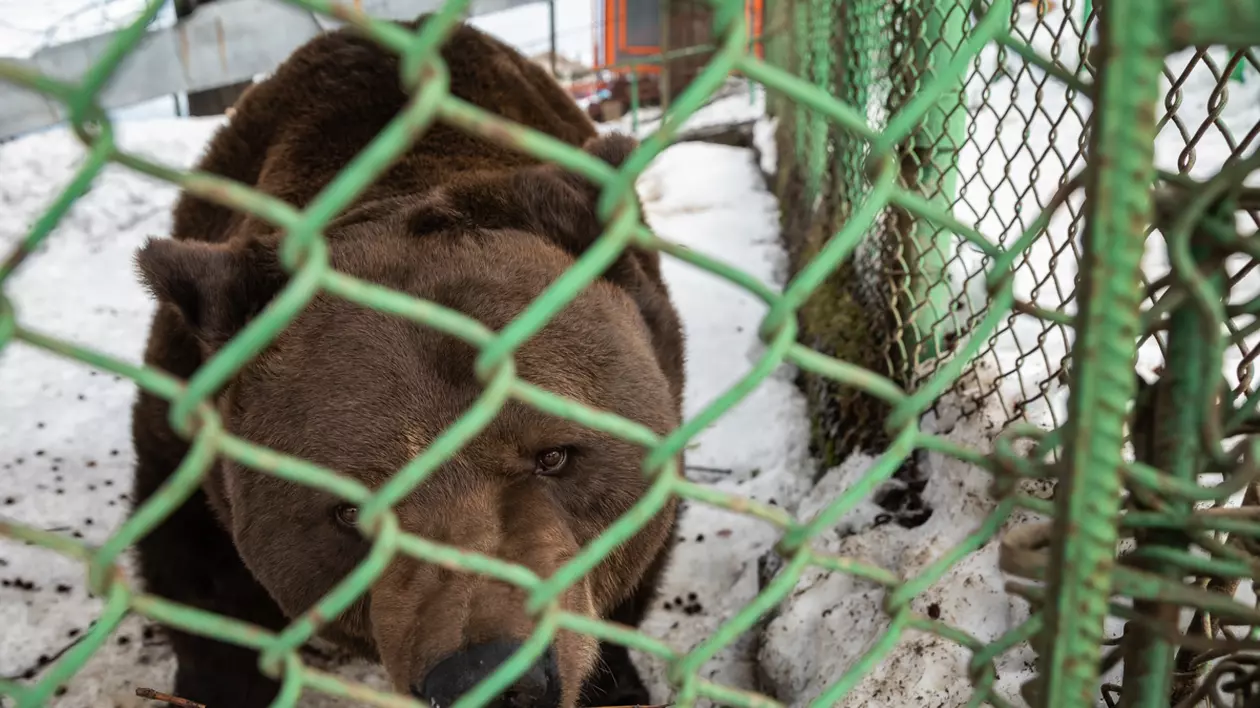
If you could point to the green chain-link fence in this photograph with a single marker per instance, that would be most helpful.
(925, 307)
(872, 98)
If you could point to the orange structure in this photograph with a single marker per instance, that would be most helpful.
(629, 31)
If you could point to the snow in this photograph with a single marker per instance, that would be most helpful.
(65, 446)
(66, 457)
(764, 143)
(713, 199)
(737, 101)
(833, 619)
(28, 27)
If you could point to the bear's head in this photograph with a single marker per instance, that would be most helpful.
(364, 392)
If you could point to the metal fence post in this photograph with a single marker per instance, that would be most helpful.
(551, 35)
(634, 99)
(799, 53)
(217, 100)
(820, 67)
(1168, 435)
(666, 12)
(1118, 209)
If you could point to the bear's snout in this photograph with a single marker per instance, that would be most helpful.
(459, 673)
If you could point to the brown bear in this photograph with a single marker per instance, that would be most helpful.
(475, 227)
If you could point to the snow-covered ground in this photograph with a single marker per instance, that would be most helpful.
(65, 453)
(738, 101)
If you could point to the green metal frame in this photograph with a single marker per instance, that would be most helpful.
(1088, 497)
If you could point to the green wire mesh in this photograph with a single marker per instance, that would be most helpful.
(1011, 147)
(872, 98)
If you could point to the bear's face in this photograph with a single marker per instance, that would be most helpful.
(365, 393)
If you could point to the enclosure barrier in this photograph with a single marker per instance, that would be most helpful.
(1075, 557)
(885, 57)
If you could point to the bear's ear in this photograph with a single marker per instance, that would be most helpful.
(612, 148)
(216, 288)
(563, 205)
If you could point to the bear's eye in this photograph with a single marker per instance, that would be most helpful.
(551, 460)
(347, 515)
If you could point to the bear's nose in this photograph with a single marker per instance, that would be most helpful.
(458, 673)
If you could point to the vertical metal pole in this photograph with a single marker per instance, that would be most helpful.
(799, 50)
(665, 12)
(933, 155)
(1089, 10)
(754, 39)
(749, 9)
(634, 99)
(551, 28)
(863, 58)
(1168, 435)
(822, 67)
(215, 101)
(1118, 207)
(777, 40)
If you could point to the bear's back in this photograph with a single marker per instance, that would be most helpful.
(291, 134)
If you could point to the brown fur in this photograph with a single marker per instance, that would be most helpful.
(458, 221)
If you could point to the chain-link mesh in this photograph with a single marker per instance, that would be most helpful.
(1008, 155)
(873, 102)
